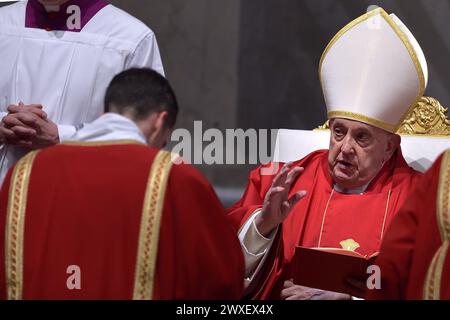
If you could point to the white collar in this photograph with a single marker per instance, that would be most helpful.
(110, 126)
(359, 190)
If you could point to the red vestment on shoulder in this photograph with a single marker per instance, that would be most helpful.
(121, 217)
(414, 259)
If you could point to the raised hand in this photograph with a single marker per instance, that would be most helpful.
(277, 205)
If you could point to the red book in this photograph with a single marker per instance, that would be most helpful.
(328, 268)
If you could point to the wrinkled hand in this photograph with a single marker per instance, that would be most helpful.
(277, 205)
(28, 126)
(292, 291)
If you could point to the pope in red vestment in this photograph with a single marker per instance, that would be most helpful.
(114, 220)
(414, 259)
(325, 217)
(345, 197)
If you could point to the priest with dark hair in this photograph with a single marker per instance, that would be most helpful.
(130, 222)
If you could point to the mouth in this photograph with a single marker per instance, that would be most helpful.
(344, 164)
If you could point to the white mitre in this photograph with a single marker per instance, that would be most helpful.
(373, 71)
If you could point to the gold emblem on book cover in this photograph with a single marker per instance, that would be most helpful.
(349, 244)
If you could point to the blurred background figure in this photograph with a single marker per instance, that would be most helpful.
(414, 259)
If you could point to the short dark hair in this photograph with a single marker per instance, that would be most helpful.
(143, 91)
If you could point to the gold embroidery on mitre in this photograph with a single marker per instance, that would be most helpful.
(362, 118)
(428, 117)
(349, 244)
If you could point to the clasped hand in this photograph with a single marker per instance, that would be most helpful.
(28, 126)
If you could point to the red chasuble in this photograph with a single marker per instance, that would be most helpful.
(325, 218)
(121, 218)
(414, 259)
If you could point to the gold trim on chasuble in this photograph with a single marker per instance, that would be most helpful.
(149, 228)
(432, 285)
(377, 122)
(15, 226)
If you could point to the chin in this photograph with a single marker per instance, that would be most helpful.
(344, 181)
(345, 184)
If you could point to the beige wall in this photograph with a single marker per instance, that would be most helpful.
(199, 46)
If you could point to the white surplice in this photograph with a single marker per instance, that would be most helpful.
(67, 72)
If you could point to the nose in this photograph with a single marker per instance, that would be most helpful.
(347, 147)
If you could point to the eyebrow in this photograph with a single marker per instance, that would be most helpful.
(361, 129)
(364, 130)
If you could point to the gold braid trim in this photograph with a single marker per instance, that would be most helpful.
(432, 288)
(362, 118)
(15, 226)
(149, 228)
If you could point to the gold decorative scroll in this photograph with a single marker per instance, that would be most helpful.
(325, 126)
(427, 117)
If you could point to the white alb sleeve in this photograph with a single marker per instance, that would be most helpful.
(255, 247)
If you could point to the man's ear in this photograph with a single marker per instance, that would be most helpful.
(161, 132)
(161, 120)
(393, 143)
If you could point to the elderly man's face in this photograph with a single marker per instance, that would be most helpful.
(358, 151)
